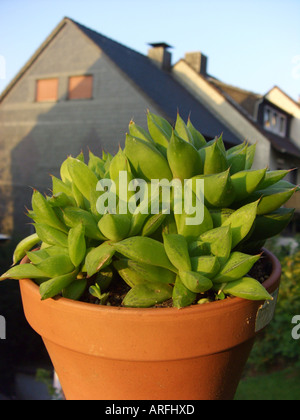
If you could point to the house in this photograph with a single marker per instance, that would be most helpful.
(272, 121)
(80, 90)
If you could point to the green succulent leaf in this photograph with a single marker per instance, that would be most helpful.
(198, 139)
(147, 295)
(144, 250)
(195, 282)
(75, 290)
(23, 271)
(55, 286)
(82, 176)
(44, 211)
(237, 266)
(219, 241)
(115, 227)
(139, 132)
(206, 265)
(77, 244)
(147, 162)
(213, 158)
(237, 160)
(241, 222)
(56, 265)
(247, 288)
(218, 189)
(179, 151)
(50, 235)
(74, 216)
(272, 177)
(25, 245)
(181, 295)
(269, 225)
(182, 130)
(246, 182)
(177, 251)
(99, 258)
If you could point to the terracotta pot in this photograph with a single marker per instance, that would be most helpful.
(109, 353)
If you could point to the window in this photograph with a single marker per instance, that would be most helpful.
(274, 121)
(80, 87)
(47, 90)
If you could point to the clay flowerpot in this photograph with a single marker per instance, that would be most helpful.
(109, 353)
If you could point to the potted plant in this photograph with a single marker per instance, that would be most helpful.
(147, 278)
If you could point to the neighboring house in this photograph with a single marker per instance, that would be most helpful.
(80, 90)
(272, 121)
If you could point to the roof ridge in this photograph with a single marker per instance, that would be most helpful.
(230, 86)
(86, 29)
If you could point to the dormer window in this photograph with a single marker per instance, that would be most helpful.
(274, 121)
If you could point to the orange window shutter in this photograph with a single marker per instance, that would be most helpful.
(47, 90)
(81, 87)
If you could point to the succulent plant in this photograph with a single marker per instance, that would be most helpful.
(156, 253)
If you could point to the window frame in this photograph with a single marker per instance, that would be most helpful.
(91, 97)
(278, 127)
(37, 90)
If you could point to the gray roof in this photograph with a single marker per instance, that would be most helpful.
(160, 86)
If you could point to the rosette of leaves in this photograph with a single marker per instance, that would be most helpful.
(157, 255)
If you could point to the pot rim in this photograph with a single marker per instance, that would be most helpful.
(271, 284)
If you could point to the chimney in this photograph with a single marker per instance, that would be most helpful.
(197, 61)
(160, 56)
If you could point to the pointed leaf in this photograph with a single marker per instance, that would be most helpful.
(77, 244)
(182, 296)
(236, 267)
(50, 235)
(213, 159)
(246, 182)
(247, 288)
(54, 286)
(195, 282)
(144, 250)
(218, 189)
(25, 245)
(82, 176)
(177, 251)
(198, 139)
(99, 258)
(241, 222)
(147, 295)
(206, 265)
(180, 151)
(182, 130)
(23, 271)
(56, 265)
(220, 242)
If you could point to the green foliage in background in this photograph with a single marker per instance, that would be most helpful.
(275, 346)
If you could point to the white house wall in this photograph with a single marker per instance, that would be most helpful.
(280, 99)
